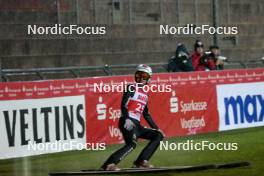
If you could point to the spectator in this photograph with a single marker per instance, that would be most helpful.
(200, 60)
(181, 61)
(219, 60)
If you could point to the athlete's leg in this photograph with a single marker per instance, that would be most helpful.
(155, 137)
(130, 144)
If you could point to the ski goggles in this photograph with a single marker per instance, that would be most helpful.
(143, 75)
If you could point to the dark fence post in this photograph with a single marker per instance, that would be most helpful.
(1, 80)
(215, 19)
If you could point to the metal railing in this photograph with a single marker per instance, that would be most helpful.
(108, 70)
(75, 71)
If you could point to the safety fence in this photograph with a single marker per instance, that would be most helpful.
(87, 110)
(102, 70)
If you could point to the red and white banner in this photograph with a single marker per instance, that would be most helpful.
(67, 110)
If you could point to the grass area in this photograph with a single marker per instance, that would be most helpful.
(250, 148)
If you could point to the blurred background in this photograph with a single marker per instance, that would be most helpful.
(132, 35)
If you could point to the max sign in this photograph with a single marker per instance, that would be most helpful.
(243, 108)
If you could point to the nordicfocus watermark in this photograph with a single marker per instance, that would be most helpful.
(65, 146)
(123, 87)
(191, 145)
(190, 29)
(58, 29)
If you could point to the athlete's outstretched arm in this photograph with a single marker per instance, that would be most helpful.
(149, 119)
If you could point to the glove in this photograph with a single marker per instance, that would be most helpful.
(129, 125)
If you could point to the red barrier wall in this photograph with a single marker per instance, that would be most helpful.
(70, 109)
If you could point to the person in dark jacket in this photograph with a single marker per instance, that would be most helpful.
(219, 60)
(133, 106)
(181, 61)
